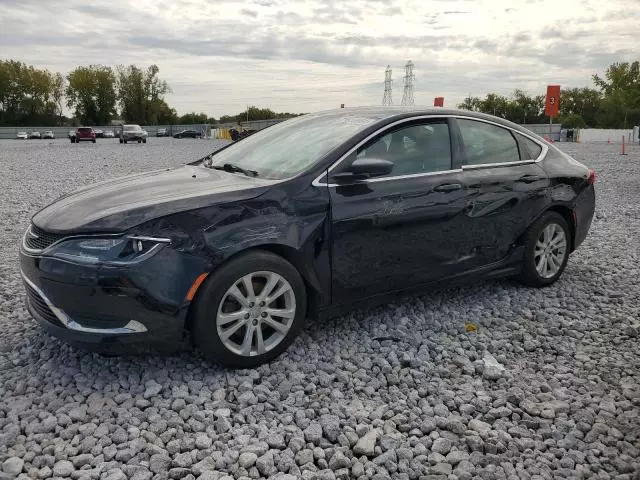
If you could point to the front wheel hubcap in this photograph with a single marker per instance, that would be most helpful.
(256, 313)
(550, 250)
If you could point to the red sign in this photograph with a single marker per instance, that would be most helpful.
(438, 102)
(552, 102)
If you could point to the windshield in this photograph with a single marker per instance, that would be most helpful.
(288, 148)
(131, 128)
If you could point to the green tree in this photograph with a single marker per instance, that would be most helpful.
(621, 95)
(26, 94)
(470, 103)
(91, 92)
(193, 118)
(579, 107)
(141, 95)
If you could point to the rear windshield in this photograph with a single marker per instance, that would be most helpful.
(84, 129)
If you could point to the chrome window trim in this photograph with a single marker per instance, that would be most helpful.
(317, 182)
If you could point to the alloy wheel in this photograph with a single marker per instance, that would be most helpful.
(550, 250)
(256, 313)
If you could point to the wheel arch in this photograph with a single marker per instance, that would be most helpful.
(568, 215)
(287, 252)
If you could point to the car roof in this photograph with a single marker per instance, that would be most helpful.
(386, 113)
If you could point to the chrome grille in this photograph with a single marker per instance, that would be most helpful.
(38, 239)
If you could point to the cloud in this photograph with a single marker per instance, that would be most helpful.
(306, 55)
(249, 13)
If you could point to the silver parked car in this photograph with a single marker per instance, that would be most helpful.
(22, 135)
(133, 133)
(49, 135)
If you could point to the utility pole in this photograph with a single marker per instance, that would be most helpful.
(409, 77)
(386, 99)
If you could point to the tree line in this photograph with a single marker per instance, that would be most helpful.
(614, 103)
(96, 94)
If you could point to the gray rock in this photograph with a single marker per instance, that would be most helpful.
(304, 456)
(203, 441)
(152, 389)
(13, 465)
(265, 464)
(338, 461)
(63, 468)
(330, 426)
(247, 459)
(479, 426)
(493, 369)
(366, 444)
(441, 445)
(313, 433)
(456, 456)
(159, 463)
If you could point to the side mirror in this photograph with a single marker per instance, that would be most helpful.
(363, 168)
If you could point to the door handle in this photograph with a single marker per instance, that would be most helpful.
(529, 178)
(448, 187)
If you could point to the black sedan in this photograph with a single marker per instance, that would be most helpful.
(188, 134)
(309, 217)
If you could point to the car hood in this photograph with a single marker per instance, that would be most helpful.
(120, 204)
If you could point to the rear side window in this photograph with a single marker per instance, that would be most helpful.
(485, 143)
(529, 150)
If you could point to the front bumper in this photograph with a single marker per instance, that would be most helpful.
(126, 309)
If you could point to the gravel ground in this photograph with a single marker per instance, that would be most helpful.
(547, 387)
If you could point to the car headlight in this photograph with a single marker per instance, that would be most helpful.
(113, 251)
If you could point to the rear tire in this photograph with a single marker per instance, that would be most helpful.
(120, 140)
(93, 140)
(253, 316)
(547, 247)
(125, 140)
(144, 140)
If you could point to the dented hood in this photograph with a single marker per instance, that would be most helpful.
(120, 204)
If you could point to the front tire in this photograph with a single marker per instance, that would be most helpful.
(250, 310)
(547, 247)
(144, 140)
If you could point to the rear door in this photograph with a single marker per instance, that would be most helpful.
(505, 187)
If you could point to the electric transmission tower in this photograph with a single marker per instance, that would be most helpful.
(387, 100)
(407, 95)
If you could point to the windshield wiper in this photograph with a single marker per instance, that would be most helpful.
(230, 167)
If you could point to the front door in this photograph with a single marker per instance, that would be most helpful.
(402, 229)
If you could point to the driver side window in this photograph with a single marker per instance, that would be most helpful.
(419, 148)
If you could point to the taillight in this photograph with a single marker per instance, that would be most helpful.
(591, 179)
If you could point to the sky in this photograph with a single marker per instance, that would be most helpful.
(307, 55)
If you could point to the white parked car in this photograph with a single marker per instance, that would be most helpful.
(22, 135)
(133, 133)
(109, 134)
(49, 134)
